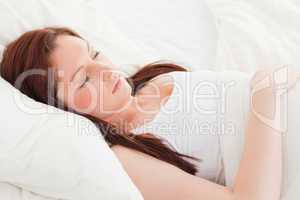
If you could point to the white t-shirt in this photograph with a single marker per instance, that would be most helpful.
(188, 123)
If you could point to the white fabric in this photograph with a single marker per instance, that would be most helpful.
(185, 124)
(180, 31)
(129, 34)
(257, 33)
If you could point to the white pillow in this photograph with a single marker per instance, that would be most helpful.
(22, 16)
(130, 34)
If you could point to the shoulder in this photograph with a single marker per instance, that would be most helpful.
(163, 79)
(161, 85)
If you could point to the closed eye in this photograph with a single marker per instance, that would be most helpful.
(87, 78)
(96, 54)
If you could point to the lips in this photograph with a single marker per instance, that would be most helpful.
(116, 85)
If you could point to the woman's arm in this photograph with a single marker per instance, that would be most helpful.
(259, 175)
(158, 180)
(260, 171)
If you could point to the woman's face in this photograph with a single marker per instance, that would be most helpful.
(87, 83)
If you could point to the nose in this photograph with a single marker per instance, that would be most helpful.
(106, 75)
(106, 72)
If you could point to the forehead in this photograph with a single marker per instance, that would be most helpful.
(68, 55)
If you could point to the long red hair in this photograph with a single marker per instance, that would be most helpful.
(31, 51)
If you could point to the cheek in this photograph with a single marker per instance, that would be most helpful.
(83, 99)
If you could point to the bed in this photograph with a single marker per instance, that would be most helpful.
(215, 35)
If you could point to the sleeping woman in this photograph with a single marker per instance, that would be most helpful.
(151, 118)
